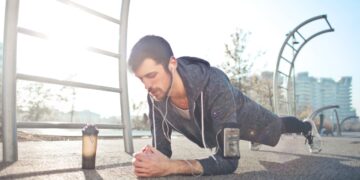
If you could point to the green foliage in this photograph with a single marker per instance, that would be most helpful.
(236, 52)
(33, 101)
(239, 61)
(262, 89)
(140, 120)
(238, 66)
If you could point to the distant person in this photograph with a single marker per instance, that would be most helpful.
(189, 96)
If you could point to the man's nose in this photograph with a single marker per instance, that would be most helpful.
(147, 85)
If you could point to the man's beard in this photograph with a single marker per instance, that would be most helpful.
(167, 92)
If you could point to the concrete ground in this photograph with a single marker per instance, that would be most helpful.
(340, 159)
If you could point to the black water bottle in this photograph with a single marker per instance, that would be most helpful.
(89, 144)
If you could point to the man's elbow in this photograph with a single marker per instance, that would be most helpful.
(232, 167)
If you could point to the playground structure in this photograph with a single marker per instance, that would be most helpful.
(313, 115)
(339, 124)
(342, 126)
(348, 118)
(284, 76)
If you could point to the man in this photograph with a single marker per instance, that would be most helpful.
(189, 96)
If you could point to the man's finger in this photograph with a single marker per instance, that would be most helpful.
(139, 164)
(141, 156)
(146, 149)
(142, 174)
(154, 150)
(133, 160)
(136, 153)
(141, 171)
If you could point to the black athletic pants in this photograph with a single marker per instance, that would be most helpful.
(294, 125)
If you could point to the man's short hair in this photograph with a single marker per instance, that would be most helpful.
(150, 46)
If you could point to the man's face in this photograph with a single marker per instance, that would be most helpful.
(154, 77)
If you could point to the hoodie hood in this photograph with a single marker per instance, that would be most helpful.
(195, 75)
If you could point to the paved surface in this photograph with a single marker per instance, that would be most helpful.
(290, 159)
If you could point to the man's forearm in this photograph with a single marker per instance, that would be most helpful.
(191, 167)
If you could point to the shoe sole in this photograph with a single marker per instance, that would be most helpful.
(314, 131)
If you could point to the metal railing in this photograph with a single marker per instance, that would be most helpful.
(9, 125)
(63, 125)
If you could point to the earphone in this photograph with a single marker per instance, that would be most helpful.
(164, 121)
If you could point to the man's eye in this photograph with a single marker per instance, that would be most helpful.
(151, 75)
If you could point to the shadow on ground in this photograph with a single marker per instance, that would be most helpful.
(88, 174)
(303, 167)
(307, 167)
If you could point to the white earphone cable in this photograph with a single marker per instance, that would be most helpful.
(153, 118)
(167, 133)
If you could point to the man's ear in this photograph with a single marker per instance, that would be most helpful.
(172, 64)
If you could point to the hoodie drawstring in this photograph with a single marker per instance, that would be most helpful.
(164, 119)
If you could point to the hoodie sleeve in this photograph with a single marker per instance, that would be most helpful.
(221, 110)
(219, 165)
(158, 135)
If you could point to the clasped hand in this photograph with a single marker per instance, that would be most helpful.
(149, 162)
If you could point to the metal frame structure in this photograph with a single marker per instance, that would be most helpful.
(289, 73)
(348, 118)
(10, 77)
(316, 112)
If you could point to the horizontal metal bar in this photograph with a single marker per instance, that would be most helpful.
(62, 125)
(286, 60)
(300, 35)
(90, 11)
(285, 102)
(292, 47)
(66, 83)
(103, 52)
(32, 33)
(45, 37)
(283, 87)
(283, 73)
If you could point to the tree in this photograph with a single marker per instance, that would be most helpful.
(238, 63)
(304, 112)
(33, 101)
(261, 89)
(140, 119)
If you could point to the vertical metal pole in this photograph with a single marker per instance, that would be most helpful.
(337, 123)
(10, 151)
(321, 122)
(294, 90)
(290, 96)
(124, 97)
(276, 89)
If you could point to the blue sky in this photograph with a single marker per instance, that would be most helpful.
(201, 28)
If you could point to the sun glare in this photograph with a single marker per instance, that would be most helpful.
(57, 47)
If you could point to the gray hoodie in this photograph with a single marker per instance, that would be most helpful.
(213, 103)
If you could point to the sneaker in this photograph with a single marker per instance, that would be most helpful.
(313, 139)
(254, 146)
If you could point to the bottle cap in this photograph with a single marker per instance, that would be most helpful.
(90, 129)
